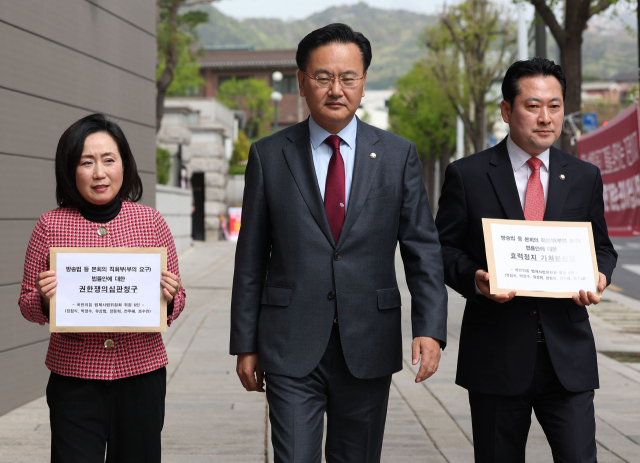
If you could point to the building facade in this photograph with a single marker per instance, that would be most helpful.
(62, 60)
(199, 133)
(601, 91)
(374, 107)
(218, 66)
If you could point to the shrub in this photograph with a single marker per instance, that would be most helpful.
(163, 165)
(240, 149)
(237, 170)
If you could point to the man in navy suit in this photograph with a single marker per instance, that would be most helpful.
(523, 353)
(315, 303)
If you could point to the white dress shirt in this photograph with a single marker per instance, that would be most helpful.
(322, 153)
(522, 171)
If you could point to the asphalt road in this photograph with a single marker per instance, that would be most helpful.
(626, 276)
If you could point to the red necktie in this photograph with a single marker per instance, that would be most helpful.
(334, 188)
(534, 200)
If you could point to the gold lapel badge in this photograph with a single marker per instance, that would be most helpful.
(373, 155)
(561, 176)
(102, 231)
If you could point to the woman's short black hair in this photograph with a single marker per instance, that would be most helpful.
(533, 67)
(333, 33)
(68, 156)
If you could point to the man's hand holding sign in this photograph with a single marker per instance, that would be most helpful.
(540, 259)
(583, 298)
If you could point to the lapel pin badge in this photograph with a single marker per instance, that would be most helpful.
(561, 176)
(373, 155)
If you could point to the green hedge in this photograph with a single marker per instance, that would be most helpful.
(163, 165)
(235, 169)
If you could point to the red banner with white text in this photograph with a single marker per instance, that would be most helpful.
(614, 149)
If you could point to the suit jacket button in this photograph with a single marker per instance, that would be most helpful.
(533, 312)
(336, 256)
(331, 295)
(109, 344)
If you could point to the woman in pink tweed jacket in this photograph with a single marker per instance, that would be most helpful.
(106, 390)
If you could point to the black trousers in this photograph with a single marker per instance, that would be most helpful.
(356, 412)
(501, 423)
(122, 417)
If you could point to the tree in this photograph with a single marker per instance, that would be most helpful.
(163, 165)
(576, 15)
(240, 154)
(175, 33)
(187, 80)
(241, 148)
(477, 34)
(418, 113)
(253, 97)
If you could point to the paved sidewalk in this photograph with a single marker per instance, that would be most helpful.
(210, 418)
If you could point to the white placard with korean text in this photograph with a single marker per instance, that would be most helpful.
(540, 259)
(108, 290)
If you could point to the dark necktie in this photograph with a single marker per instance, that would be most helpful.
(334, 204)
(534, 199)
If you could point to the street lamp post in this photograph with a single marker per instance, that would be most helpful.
(276, 96)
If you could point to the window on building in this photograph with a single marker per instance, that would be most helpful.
(289, 84)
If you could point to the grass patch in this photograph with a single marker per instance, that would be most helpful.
(237, 170)
(627, 357)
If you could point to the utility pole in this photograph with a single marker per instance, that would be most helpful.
(523, 35)
(459, 138)
(541, 36)
(459, 123)
(276, 96)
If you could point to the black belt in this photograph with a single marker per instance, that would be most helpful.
(541, 334)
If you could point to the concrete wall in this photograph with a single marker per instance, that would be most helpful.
(211, 126)
(235, 190)
(174, 204)
(61, 60)
(374, 107)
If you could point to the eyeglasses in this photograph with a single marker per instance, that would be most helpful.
(326, 80)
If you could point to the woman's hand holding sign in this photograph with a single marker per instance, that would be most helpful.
(171, 284)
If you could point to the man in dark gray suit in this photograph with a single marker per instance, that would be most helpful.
(316, 304)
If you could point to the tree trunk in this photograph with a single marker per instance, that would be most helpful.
(171, 59)
(161, 86)
(428, 170)
(468, 144)
(571, 62)
(569, 39)
(478, 127)
(445, 159)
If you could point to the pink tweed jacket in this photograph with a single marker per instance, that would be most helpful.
(85, 355)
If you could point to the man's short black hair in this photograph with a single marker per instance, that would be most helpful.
(68, 156)
(333, 33)
(533, 67)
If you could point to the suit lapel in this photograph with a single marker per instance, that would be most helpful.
(559, 183)
(300, 161)
(364, 171)
(504, 182)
